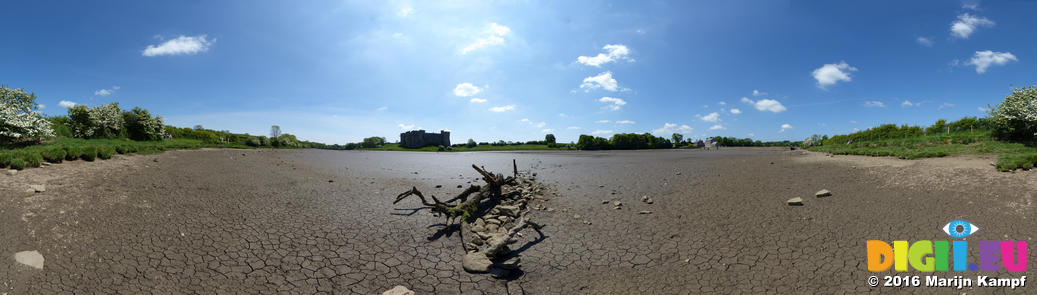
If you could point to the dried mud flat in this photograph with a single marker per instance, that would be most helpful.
(311, 221)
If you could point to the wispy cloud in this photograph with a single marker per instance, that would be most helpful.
(984, 59)
(769, 105)
(758, 93)
(405, 126)
(573, 127)
(382, 109)
(183, 45)
(603, 81)
(466, 89)
(712, 117)
(735, 111)
(613, 52)
(785, 127)
(502, 108)
(829, 74)
(625, 122)
(967, 24)
(671, 128)
(717, 127)
(945, 105)
(908, 103)
(476, 100)
(106, 92)
(874, 104)
(66, 104)
(494, 36)
(613, 103)
(924, 41)
(602, 132)
(601, 121)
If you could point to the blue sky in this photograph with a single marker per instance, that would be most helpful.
(338, 71)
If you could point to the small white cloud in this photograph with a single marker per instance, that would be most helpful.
(736, 111)
(541, 125)
(853, 122)
(972, 6)
(106, 92)
(982, 109)
(945, 105)
(769, 105)
(524, 120)
(66, 104)
(602, 132)
(549, 130)
(924, 41)
(625, 122)
(405, 127)
(405, 11)
(495, 36)
(712, 117)
(179, 46)
(603, 81)
(671, 128)
(723, 103)
(466, 89)
(758, 93)
(785, 127)
(502, 108)
(476, 100)
(829, 74)
(382, 109)
(613, 52)
(613, 103)
(601, 121)
(908, 103)
(717, 127)
(573, 127)
(563, 115)
(874, 104)
(967, 24)
(984, 59)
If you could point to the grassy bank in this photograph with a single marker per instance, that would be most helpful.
(70, 149)
(516, 147)
(1011, 156)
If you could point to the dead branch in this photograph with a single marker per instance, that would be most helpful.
(496, 245)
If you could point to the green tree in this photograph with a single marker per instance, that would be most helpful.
(373, 142)
(549, 139)
(275, 131)
(471, 143)
(1016, 117)
(677, 139)
(19, 120)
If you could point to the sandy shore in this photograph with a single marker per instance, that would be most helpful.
(311, 221)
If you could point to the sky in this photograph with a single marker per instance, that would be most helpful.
(339, 71)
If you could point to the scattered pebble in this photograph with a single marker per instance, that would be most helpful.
(439, 185)
(30, 258)
(12, 172)
(458, 186)
(38, 188)
(797, 201)
(398, 290)
(644, 212)
(617, 203)
(604, 202)
(823, 193)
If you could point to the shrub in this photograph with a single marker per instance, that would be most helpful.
(1016, 117)
(5, 159)
(17, 164)
(121, 149)
(88, 153)
(32, 159)
(103, 121)
(141, 126)
(73, 152)
(255, 142)
(53, 155)
(19, 120)
(105, 152)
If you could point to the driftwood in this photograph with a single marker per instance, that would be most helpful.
(475, 202)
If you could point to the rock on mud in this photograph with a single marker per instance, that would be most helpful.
(797, 201)
(823, 193)
(476, 262)
(30, 258)
(398, 290)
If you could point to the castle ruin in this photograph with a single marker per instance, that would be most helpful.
(419, 138)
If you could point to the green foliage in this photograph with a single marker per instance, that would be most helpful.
(60, 126)
(937, 127)
(17, 164)
(32, 159)
(549, 138)
(470, 143)
(5, 159)
(103, 121)
(105, 152)
(54, 154)
(73, 152)
(19, 119)
(88, 153)
(1015, 118)
(1018, 161)
(372, 142)
(678, 139)
(140, 125)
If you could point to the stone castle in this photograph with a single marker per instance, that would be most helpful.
(419, 138)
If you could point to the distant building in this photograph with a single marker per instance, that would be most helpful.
(419, 138)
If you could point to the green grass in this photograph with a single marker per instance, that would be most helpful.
(517, 147)
(70, 149)
(1011, 155)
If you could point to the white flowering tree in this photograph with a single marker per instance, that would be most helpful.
(103, 121)
(19, 120)
(1016, 117)
(141, 126)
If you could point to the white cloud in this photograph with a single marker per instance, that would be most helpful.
(573, 127)
(736, 111)
(717, 127)
(613, 103)
(723, 103)
(712, 117)
(853, 121)
(106, 92)
(613, 52)
(967, 24)
(602, 132)
(563, 115)
(925, 41)
(671, 128)
(982, 109)
(466, 89)
(382, 109)
(785, 127)
(603, 81)
(972, 6)
(405, 127)
(625, 122)
(758, 93)
(41, 106)
(541, 125)
(601, 121)
(180, 45)
(829, 74)
(476, 100)
(945, 105)
(66, 104)
(908, 103)
(769, 105)
(874, 104)
(502, 108)
(984, 59)
(405, 11)
(524, 120)
(495, 36)
(547, 130)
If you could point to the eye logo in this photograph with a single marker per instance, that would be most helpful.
(960, 228)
